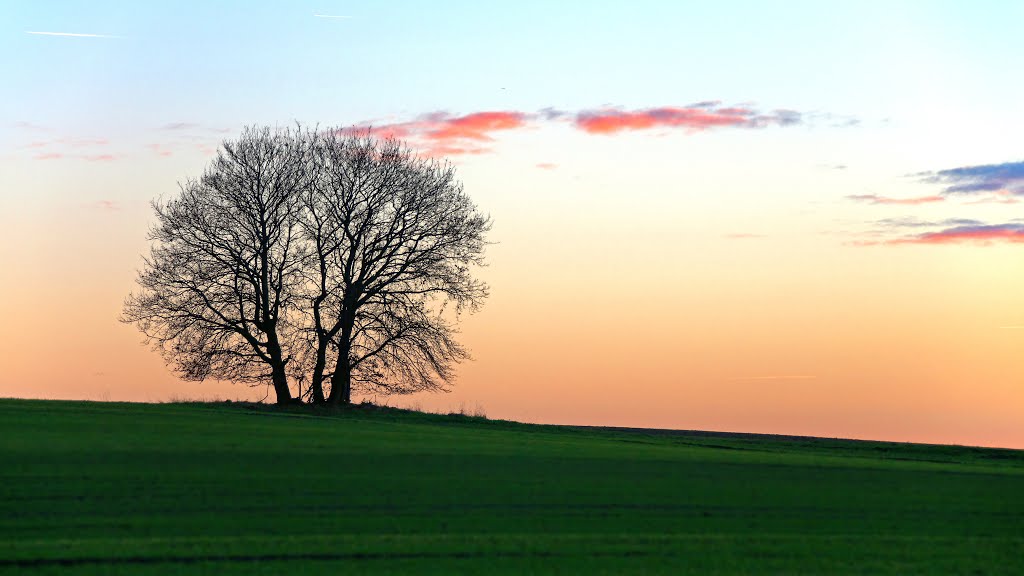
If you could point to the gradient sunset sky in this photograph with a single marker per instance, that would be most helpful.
(792, 217)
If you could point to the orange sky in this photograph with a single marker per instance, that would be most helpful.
(618, 315)
(813, 227)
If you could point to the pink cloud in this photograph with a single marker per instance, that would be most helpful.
(83, 142)
(160, 149)
(998, 197)
(439, 133)
(546, 165)
(476, 126)
(443, 150)
(611, 121)
(981, 234)
(63, 148)
(694, 118)
(108, 205)
(876, 199)
(87, 157)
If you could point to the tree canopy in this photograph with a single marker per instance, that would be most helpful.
(327, 257)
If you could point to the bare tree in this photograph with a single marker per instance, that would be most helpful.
(394, 239)
(329, 255)
(216, 291)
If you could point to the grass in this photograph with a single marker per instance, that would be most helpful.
(232, 488)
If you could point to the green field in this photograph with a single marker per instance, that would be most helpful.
(240, 489)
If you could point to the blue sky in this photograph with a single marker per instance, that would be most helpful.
(233, 62)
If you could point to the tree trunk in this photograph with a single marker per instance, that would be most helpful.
(341, 387)
(317, 383)
(280, 379)
(341, 380)
(277, 374)
(317, 389)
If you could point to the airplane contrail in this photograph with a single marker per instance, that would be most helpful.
(76, 35)
(796, 377)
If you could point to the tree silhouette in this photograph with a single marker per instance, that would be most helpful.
(394, 238)
(327, 255)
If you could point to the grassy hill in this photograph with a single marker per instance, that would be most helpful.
(240, 489)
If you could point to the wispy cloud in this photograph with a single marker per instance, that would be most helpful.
(160, 149)
(445, 133)
(1006, 178)
(193, 128)
(332, 16)
(978, 234)
(441, 133)
(835, 120)
(902, 231)
(478, 126)
(23, 125)
(71, 34)
(83, 142)
(99, 157)
(69, 142)
(999, 197)
(546, 165)
(981, 184)
(69, 148)
(695, 118)
(876, 199)
(743, 236)
(179, 126)
(909, 222)
(773, 377)
(107, 205)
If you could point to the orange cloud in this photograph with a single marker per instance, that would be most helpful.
(876, 199)
(476, 126)
(611, 121)
(694, 118)
(439, 133)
